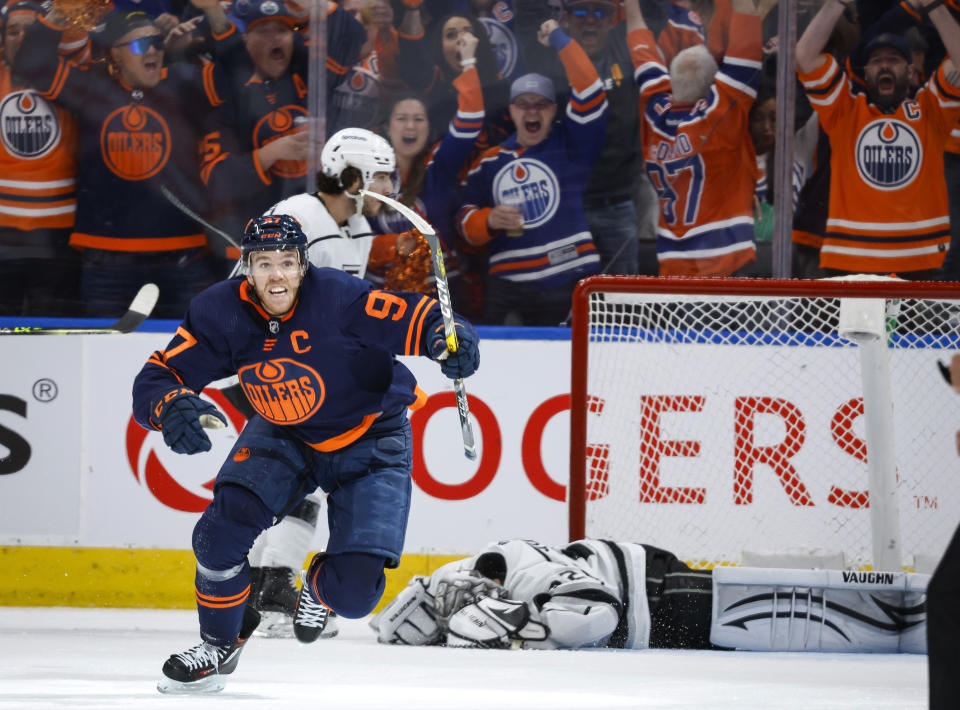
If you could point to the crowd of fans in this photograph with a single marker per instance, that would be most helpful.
(546, 141)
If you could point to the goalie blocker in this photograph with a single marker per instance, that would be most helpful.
(521, 594)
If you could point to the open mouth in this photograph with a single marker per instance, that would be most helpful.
(276, 54)
(408, 140)
(886, 83)
(532, 126)
(151, 65)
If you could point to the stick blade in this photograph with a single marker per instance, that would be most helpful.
(141, 307)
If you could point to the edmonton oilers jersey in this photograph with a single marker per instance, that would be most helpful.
(888, 206)
(325, 369)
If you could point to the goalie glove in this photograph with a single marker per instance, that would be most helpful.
(459, 588)
(494, 623)
(410, 618)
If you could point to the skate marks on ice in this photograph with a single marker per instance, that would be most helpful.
(107, 659)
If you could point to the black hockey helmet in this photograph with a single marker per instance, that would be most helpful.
(275, 232)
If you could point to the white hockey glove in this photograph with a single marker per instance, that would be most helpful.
(494, 623)
(410, 618)
(459, 588)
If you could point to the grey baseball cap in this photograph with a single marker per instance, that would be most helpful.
(533, 84)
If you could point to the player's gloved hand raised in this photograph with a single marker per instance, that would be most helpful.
(180, 422)
(462, 363)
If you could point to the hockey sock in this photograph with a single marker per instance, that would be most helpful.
(221, 598)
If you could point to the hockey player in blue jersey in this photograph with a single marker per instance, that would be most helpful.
(314, 351)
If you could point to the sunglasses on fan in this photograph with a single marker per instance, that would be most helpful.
(143, 45)
(597, 11)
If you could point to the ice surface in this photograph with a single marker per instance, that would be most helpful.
(98, 658)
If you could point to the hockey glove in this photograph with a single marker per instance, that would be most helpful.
(494, 623)
(462, 363)
(410, 618)
(180, 423)
(460, 588)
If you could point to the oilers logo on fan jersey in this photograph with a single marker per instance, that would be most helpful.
(30, 127)
(135, 142)
(889, 154)
(504, 44)
(532, 186)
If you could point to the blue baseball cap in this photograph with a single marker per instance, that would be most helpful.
(246, 13)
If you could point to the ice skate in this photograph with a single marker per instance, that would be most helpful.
(275, 597)
(202, 669)
(311, 617)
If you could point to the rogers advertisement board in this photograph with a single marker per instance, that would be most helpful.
(96, 479)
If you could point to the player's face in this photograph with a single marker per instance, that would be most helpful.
(270, 46)
(452, 30)
(888, 77)
(408, 128)
(139, 57)
(383, 184)
(13, 33)
(533, 116)
(589, 23)
(276, 277)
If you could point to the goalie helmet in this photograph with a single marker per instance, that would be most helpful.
(361, 149)
(278, 232)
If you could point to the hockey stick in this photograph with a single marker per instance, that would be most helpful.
(446, 310)
(180, 205)
(139, 309)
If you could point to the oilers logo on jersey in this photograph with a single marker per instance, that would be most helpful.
(889, 154)
(504, 45)
(30, 128)
(532, 186)
(135, 142)
(285, 120)
(283, 391)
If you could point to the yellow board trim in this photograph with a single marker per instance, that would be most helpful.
(133, 578)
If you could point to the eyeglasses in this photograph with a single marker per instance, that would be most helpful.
(143, 44)
(599, 12)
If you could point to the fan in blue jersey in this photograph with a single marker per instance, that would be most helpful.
(314, 352)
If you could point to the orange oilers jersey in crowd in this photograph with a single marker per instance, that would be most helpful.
(38, 160)
(684, 29)
(700, 158)
(888, 199)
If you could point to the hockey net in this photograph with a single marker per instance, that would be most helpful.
(723, 419)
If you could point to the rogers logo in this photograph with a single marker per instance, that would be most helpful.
(150, 472)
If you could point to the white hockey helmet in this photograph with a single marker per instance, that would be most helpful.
(360, 148)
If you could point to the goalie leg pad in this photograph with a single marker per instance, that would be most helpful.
(815, 610)
(410, 618)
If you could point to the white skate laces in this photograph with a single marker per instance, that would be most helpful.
(310, 618)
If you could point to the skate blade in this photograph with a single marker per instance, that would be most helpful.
(275, 625)
(211, 684)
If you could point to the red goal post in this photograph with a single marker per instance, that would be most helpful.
(730, 419)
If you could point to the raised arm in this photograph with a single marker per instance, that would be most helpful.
(635, 19)
(810, 46)
(949, 32)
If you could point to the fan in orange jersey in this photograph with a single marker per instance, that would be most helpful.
(38, 145)
(698, 153)
(888, 198)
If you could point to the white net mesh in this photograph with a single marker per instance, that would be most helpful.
(722, 424)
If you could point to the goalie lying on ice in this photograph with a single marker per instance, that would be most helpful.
(522, 594)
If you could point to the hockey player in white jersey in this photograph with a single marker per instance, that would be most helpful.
(597, 593)
(334, 218)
